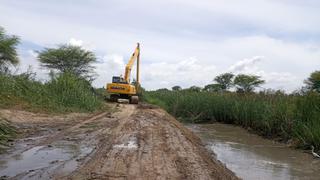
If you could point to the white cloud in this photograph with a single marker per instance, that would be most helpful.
(28, 61)
(75, 42)
(110, 65)
(278, 80)
(80, 43)
(245, 64)
(185, 73)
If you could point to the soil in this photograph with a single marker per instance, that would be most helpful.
(125, 142)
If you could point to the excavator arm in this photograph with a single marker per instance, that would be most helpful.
(135, 56)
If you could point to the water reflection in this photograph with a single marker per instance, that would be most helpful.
(253, 157)
(62, 157)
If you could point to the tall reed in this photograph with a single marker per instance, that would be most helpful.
(273, 115)
(64, 93)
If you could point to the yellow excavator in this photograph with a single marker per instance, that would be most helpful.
(122, 88)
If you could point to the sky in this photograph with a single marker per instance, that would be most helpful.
(183, 42)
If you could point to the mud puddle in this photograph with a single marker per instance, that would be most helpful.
(61, 157)
(253, 157)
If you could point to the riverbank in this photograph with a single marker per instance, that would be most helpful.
(293, 119)
(253, 157)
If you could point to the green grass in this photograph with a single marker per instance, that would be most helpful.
(64, 93)
(272, 115)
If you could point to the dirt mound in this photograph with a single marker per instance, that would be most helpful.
(134, 142)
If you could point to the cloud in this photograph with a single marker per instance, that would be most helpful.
(75, 42)
(80, 43)
(188, 65)
(108, 66)
(190, 43)
(270, 15)
(278, 80)
(28, 61)
(245, 64)
(184, 73)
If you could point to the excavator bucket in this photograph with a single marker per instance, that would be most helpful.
(134, 100)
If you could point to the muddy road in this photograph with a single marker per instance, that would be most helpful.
(125, 142)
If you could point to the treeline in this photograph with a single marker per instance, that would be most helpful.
(68, 88)
(232, 99)
(244, 83)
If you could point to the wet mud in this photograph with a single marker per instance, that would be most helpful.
(129, 142)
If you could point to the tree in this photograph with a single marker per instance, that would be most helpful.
(194, 89)
(176, 88)
(162, 90)
(247, 83)
(224, 80)
(8, 50)
(313, 81)
(213, 88)
(68, 58)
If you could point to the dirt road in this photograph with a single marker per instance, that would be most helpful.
(129, 142)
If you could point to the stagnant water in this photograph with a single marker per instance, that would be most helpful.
(61, 157)
(253, 157)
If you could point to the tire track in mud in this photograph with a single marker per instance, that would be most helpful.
(161, 148)
(55, 137)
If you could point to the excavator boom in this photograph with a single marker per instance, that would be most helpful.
(134, 56)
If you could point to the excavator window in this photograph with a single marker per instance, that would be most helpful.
(115, 79)
(118, 79)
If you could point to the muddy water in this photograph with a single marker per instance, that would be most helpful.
(33, 163)
(253, 157)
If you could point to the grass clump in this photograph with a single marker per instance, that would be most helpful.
(73, 93)
(7, 133)
(273, 115)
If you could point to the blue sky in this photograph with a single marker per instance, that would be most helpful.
(183, 42)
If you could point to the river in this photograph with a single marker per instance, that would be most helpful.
(253, 157)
